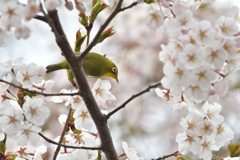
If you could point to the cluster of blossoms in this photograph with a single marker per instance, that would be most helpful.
(13, 13)
(21, 113)
(82, 117)
(203, 132)
(199, 60)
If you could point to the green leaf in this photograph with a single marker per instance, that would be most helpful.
(83, 19)
(2, 147)
(107, 33)
(149, 1)
(29, 94)
(234, 150)
(70, 75)
(79, 41)
(99, 155)
(99, 7)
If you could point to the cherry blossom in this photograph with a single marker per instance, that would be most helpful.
(4, 86)
(216, 54)
(223, 134)
(12, 12)
(22, 32)
(62, 99)
(207, 144)
(76, 101)
(82, 118)
(12, 120)
(31, 9)
(3, 36)
(227, 26)
(25, 152)
(176, 77)
(102, 94)
(27, 75)
(234, 12)
(84, 154)
(39, 151)
(205, 127)
(195, 94)
(187, 143)
(204, 33)
(190, 123)
(203, 77)
(51, 4)
(183, 20)
(35, 110)
(131, 153)
(154, 19)
(8, 65)
(192, 56)
(28, 132)
(212, 112)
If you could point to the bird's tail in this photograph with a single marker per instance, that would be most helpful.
(53, 67)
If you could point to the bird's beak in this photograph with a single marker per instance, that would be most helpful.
(116, 78)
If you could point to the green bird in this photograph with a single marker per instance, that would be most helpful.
(94, 65)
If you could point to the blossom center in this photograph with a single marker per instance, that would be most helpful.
(33, 111)
(202, 34)
(11, 12)
(205, 145)
(201, 75)
(179, 73)
(12, 119)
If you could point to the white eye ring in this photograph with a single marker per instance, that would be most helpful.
(114, 69)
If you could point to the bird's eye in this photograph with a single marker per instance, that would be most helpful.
(114, 70)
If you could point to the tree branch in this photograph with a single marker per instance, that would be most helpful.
(131, 98)
(41, 93)
(75, 64)
(167, 156)
(67, 146)
(62, 135)
(50, 22)
(104, 25)
(130, 6)
(41, 18)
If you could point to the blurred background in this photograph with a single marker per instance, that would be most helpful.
(147, 123)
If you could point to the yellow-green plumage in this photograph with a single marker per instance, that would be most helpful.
(94, 65)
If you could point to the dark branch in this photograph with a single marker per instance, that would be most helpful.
(41, 18)
(104, 25)
(41, 93)
(131, 98)
(130, 6)
(50, 22)
(67, 146)
(62, 135)
(167, 156)
(75, 64)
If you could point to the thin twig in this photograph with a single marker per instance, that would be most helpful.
(41, 18)
(88, 36)
(50, 22)
(104, 25)
(130, 6)
(63, 134)
(41, 93)
(167, 156)
(67, 146)
(131, 98)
